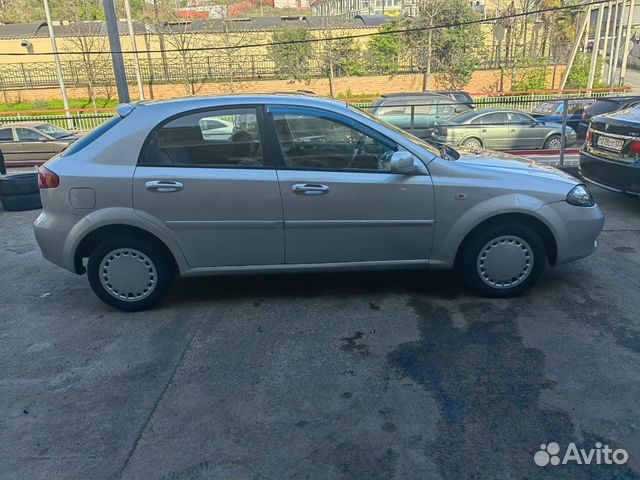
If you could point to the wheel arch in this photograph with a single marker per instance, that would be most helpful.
(471, 136)
(550, 244)
(91, 240)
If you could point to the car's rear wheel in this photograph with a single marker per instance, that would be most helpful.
(472, 143)
(503, 260)
(554, 142)
(129, 273)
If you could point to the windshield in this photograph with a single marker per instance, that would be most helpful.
(53, 130)
(424, 144)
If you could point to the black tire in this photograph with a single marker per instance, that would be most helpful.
(479, 243)
(163, 274)
(547, 143)
(21, 184)
(21, 203)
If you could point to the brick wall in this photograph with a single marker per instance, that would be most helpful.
(482, 81)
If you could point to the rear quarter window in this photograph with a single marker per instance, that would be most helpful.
(91, 136)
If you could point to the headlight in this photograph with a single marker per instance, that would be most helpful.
(580, 196)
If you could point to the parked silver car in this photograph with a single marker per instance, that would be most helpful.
(248, 184)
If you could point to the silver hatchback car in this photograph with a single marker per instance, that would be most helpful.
(283, 183)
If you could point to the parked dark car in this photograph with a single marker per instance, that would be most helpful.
(33, 141)
(459, 96)
(603, 106)
(417, 112)
(552, 111)
(610, 156)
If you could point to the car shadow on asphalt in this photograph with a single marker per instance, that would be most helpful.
(443, 284)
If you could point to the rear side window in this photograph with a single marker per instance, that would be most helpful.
(91, 136)
(214, 138)
(6, 135)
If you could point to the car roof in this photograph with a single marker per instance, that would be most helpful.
(22, 124)
(215, 100)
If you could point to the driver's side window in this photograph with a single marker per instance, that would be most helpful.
(313, 140)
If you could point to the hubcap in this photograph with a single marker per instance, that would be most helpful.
(505, 262)
(554, 144)
(472, 144)
(128, 274)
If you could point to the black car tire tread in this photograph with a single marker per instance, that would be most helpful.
(21, 184)
(472, 249)
(164, 271)
(21, 203)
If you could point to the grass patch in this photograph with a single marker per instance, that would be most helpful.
(56, 104)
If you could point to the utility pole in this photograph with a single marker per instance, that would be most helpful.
(116, 51)
(616, 53)
(596, 47)
(627, 44)
(613, 42)
(605, 47)
(56, 58)
(136, 60)
(574, 49)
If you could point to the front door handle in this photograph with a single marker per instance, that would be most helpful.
(309, 189)
(163, 186)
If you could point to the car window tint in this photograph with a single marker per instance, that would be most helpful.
(312, 140)
(449, 108)
(518, 118)
(220, 138)
(28, 135)
(575, 108)
(91, 136)
(494, 119)
(6, 135)
(426, 108)
(393, 110)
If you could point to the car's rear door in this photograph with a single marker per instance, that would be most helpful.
(341, 202)
(207, 177)
(8, 145)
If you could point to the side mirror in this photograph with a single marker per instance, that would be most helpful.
(405, 163)
(459, 109)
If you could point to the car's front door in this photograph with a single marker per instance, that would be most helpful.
(206, 175)
(524, 131)
(341, 202)
(32, 145)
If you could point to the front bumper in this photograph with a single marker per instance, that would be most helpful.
(610, 174)
(575, 229)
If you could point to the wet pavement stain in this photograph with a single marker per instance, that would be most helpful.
(354, 345)
(487, 385)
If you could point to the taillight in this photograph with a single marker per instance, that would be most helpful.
(634, 147)
(589, 136)
(47, 179)
(443, 131)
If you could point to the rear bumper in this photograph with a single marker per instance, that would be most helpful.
(612, 175)
(52, 234)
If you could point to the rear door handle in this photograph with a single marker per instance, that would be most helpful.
(163, 186)
(309, 189)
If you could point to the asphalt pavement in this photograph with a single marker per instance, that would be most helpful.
(401, 375)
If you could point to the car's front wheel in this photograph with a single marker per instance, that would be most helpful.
(503, 260)
(554, 142)
(129, 273)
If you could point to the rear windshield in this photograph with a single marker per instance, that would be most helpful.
(463, 117)
(602, 106)
(546, 107)
(91, 136)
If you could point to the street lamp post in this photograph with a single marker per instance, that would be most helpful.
(56, 58)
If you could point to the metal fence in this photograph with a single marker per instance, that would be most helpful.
(172, 69)
(76, 122)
